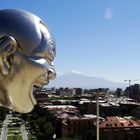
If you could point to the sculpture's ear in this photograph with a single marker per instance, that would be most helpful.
(8, 47)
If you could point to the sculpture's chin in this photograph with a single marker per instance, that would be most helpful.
(21, 109)
(32, 98)
(26, 104)
(30, 101)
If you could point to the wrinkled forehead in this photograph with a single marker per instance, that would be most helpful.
(25, 27)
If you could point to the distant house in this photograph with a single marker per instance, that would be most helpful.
(117, 128)
(41, 96)
(76, 125)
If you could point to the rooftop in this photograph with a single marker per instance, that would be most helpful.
(116, 121)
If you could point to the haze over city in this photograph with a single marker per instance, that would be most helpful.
(96, 38)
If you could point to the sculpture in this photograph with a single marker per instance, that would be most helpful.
(27, 51)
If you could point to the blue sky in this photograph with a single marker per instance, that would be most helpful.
(100, 38)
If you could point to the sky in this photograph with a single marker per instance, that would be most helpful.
(100, 38)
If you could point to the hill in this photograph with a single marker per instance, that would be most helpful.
(72, 79)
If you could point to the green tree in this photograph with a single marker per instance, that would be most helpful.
(3, 112)
(48, 130)
(89, 134)
(40, 124)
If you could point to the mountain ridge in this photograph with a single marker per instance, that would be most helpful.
(79, 80)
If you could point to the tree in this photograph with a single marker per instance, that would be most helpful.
(48, 130)
(40, 124)
(3, 112)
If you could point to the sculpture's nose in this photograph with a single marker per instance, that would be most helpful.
(51, 73)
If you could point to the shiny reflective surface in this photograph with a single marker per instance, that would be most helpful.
(27, 51)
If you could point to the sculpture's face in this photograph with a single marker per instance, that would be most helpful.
(26, 59)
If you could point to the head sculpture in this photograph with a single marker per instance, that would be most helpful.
(27, 51)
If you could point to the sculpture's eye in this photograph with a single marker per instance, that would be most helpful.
(39, 60)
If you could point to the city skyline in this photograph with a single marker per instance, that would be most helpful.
(96, 38)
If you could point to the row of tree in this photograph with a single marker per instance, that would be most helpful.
(40, 125)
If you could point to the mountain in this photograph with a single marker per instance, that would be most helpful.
(77, 80)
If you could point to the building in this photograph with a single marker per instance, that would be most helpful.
(133, 92)
(77, 92)
(117, 128)
(41, 96)
(76, 125)
(62, 108)
(59, 114)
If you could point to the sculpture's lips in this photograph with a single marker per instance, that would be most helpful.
(41, 82)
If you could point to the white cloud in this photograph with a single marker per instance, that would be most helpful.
(75, 71)
(108, 13)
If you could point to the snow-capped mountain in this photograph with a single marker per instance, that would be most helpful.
(77, 80)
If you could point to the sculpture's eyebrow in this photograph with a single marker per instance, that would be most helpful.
(41, 61)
